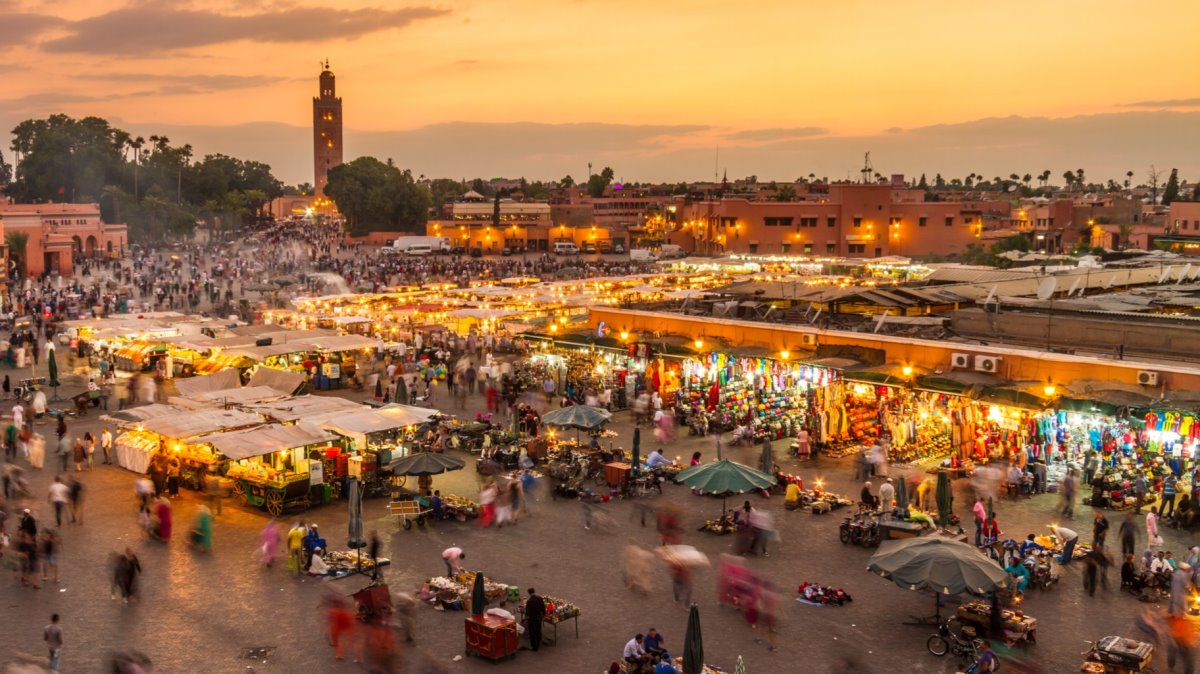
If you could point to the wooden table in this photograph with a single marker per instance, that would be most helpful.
(490, 636)
(553, 621)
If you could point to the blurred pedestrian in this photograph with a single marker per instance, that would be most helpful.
(126, 569)
(75, 495)
(268, 543)
(340, 621)
(49, 548)
(59, 495)
(52, 634)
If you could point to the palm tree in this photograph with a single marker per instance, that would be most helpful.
(1044, 177)
(17, 241)
(183, 154)
(1128, 179)
(1069, 177)
(785, 193)
(115, 195)
(1079, 179)
(136, 145)
(1027, 179)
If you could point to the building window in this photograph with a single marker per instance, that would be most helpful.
(858, 222)
(894, 221)
(950, 221)
(831, 222)
(753, 248)
(831, 248)
(808, 222)
(787, 248)
(922, 221)
(878, 252)
(858, 248)
(777, 222)
(808, 248)
(968, 220)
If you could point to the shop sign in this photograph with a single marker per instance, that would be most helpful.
(316, 472)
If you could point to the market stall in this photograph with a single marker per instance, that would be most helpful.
(557, 611)
(378, 436)
(454, 594)
(275, 466)
(169, 432)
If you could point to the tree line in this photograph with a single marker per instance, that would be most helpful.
(157, 188)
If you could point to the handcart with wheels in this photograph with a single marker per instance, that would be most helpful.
(410, 507)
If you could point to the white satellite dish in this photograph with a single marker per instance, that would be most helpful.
(991, 294)
(1196, 273)
(1187, 269)
(1047, 288)
(1166, 274)
(1074, 287)
(880, 321)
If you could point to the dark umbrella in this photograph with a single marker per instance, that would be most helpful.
(355, 529)
(723, 478)
(902, 493)
(401, 391)
(936, 563)
(478, 599)
(693, 644)
(637, 449)
(52, 364)
(379, 388)
(945, 500)
(768, 458)
(425, 463)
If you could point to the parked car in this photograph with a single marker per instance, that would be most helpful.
(589, 248)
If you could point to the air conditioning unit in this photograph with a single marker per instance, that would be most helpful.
(987, 364)
(960, 361)
(808, 338)
(1147, 378)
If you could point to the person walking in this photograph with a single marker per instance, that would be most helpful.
(373, 545)
(75, 496)
(1168, 496)
(1099, 529)
(535, 612)
(295, 546)
(1128, 535)
(65, 448)
(1153, 540)
(980, 517)
(52, 634)
(59, 495)
(1140, 487)
(125, 573)
(1068, 494)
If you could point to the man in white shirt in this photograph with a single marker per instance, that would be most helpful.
(635, 654)
(59, 495)
(106, 440)
(1069, 539)
(656, 459)
(453, 558)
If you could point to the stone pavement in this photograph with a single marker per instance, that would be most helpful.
(199, 613)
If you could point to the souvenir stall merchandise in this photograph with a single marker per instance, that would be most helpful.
(720, 526)
(1052, 544)
(816, 594)
(134, 356)
(918, 423)
(454, 594)
(1171, 434)
(134, 448)
(217, 361)
(1017, 625)
(774, 397)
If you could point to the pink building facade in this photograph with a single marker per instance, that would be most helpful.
(58, 235)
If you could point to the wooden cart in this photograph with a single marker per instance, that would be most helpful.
(409, 508)
(491, 637)
(274, 495)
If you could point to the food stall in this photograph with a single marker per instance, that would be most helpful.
(275, 466)
(378, 436)
(454, 594)
(171, 431)
(557, 611)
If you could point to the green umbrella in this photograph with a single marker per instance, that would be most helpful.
(945, 500)
(941, 564)
(723, 478)
(693, 644)
(52, 363)
(902, 494)
(478, 599)
(740, 668)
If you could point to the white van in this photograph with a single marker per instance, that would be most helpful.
(641, 255)
(672, 250)
(565, 248)
(419, 250)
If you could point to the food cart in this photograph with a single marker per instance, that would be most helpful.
(379, 436)
(273, 466)
(171, 431)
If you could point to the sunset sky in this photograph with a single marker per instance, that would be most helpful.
(781, 87)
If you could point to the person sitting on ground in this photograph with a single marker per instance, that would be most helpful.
(1130, 578)
(665, 666)
(437, 509)
(1030, 546)
(635, 655)
(653, 643)
(791, 500)
(656, 460)
(866, 498)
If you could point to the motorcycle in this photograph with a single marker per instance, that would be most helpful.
(963, 643)
(860, 529)
(1118, 655)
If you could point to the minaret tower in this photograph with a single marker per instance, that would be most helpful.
(327, 131)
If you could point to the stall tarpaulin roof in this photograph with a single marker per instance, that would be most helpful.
(341, 343)
(241, 395)
(201, 422)
(378, 420)
(217, 381)
(315, 409)
(136, 415)
(280, 380)
(264, 440)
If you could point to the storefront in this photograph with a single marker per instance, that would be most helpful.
(277, 466)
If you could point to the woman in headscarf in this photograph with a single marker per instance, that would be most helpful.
(203, 532)
(163, 520)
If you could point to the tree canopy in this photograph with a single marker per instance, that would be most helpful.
(374, 196)
(150, 184)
